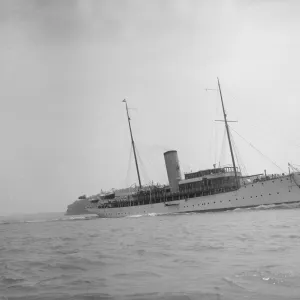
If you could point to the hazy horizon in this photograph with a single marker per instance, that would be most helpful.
(67, 66)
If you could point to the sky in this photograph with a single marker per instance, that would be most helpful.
(67, 65)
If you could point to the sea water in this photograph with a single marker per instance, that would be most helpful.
(241, 254)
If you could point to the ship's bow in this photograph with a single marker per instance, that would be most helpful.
(296, 177)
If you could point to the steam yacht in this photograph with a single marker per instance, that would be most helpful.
(221, 188)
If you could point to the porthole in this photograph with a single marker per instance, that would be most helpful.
(256, 196)
(270, 194)
(277, 192)
(251, 197)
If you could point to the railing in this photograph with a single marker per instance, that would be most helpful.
(254, 179)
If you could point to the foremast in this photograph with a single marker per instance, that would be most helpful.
(228, 134)
(133, 145)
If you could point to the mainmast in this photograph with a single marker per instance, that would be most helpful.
(133, 146)
(228, 135)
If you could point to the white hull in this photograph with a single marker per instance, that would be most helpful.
(285, 189)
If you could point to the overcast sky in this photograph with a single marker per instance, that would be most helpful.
(67, 65)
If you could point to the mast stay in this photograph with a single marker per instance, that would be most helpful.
(133, 145)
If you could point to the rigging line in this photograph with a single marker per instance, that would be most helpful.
(235, 151)
(293, 175)
(215, 129)
(242, 166)
(270, 133)
(257, 150)
(237, 155)
(215, 143)
(293, 167)
(146, 177)
(223, 147)
(129, 165)
(211, 143)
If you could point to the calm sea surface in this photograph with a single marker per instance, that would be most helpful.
(242, 254)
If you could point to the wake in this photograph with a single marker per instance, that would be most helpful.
(62, 219)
